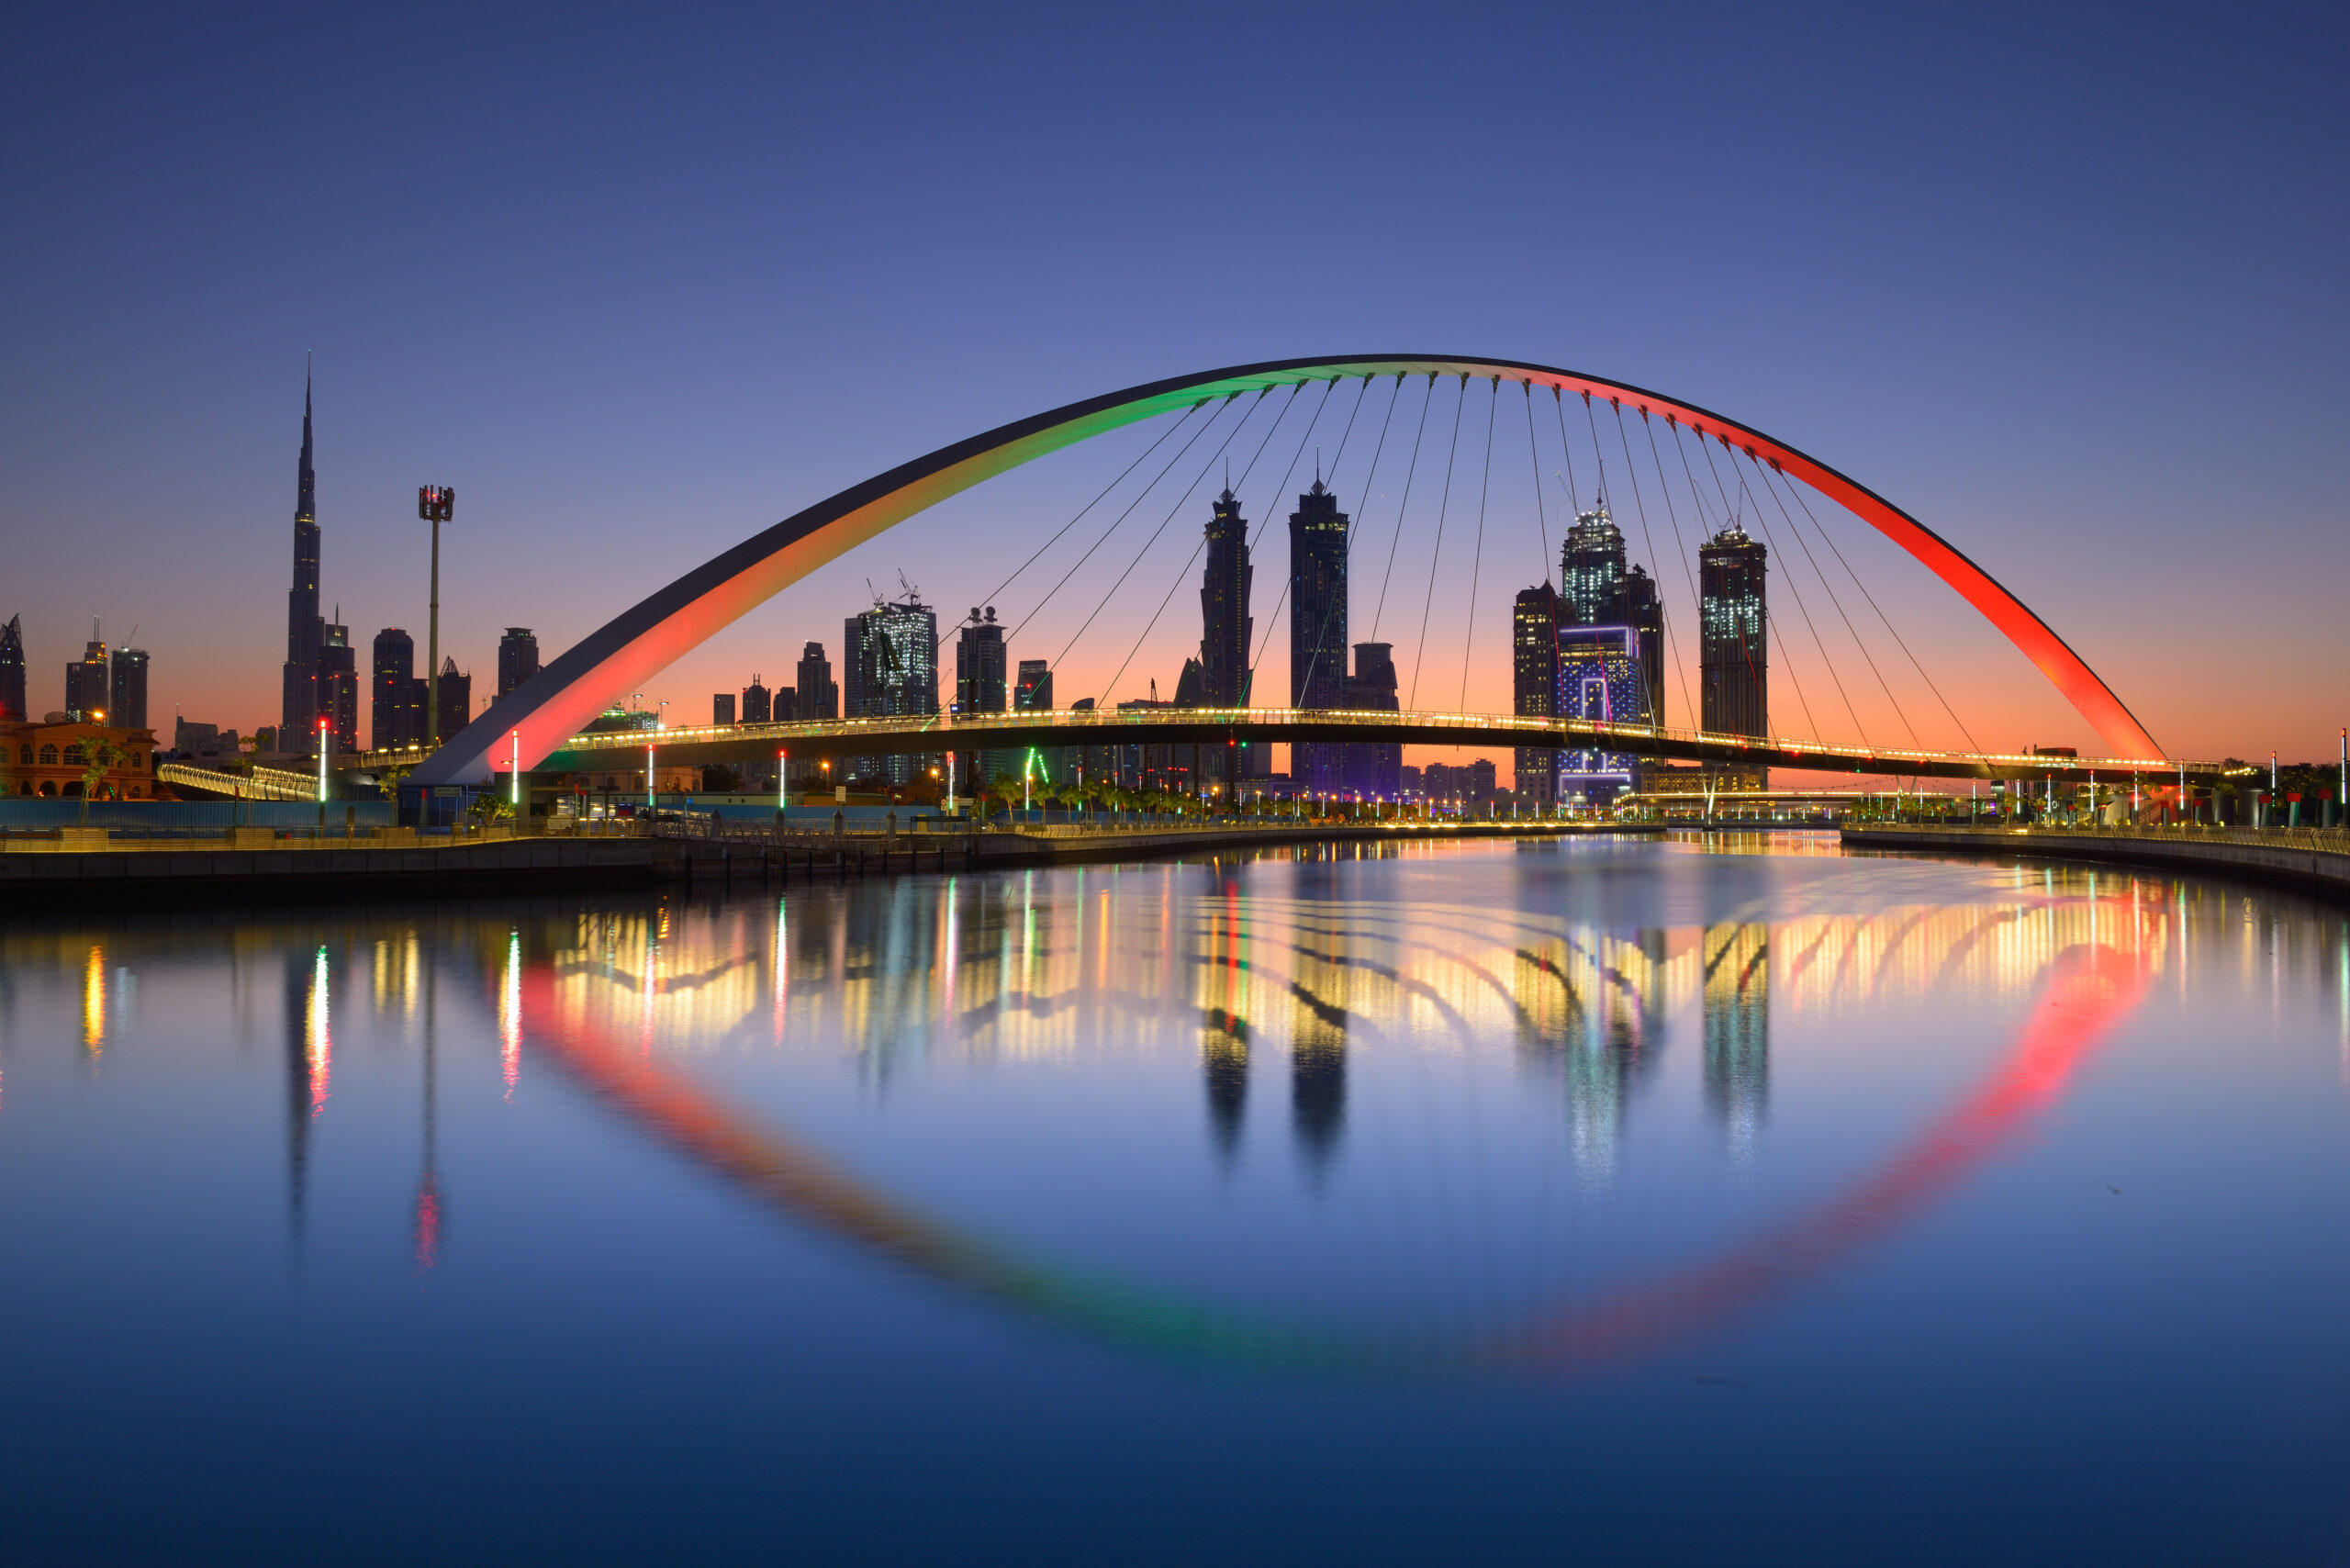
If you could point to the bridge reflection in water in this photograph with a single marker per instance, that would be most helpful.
(1040, 968)
(1469, 1105)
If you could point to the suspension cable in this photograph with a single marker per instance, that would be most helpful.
(1354, 520)
(1089, 506)
(1282, 488)
(1442, 506)
(1745, 651)
(1534, 458)
(1251, 467)
(1146, 547)
(1816, 641)
(1830, 543)
(1266, 641)
(1405, 505)
(1123, 515)
(1672, 645)
(1185, 570)
(1477, 559)
(1574, 491)
(1665, 487)
(1865, 656)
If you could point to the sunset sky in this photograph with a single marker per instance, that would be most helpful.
(641, 283)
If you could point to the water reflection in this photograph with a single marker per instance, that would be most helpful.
(1452, 1024)
(1738, 1032)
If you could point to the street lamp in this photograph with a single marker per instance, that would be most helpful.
(435, 504)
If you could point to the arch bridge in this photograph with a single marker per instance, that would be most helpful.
(541, 721)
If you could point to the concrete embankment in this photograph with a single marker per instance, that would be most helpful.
(60, 870)
(32, 876)
(2308, 859)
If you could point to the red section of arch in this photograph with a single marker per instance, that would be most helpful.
(2089, 990)
(2095, 701)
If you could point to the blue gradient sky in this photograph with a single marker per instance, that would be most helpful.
(641, 283)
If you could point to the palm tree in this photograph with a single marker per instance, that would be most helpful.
(99, 755)
(1005, 787)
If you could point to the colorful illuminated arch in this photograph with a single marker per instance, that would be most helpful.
(648, 637)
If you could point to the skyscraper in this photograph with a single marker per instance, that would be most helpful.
(1317, 631)
(1533, 683)
(305, 630)
(86, 679)
(1596, 588)
(1226, 626)
(820, 697)
(337, 685)
(1591, 570)
(1600, 678)
(1732, 622)
(456, 699)
(891, 669)
(756, 704)
(721, 707)
(395, 697)
(1374, 768)
(518, 658)
(126, 690)
(981, 688)
(11, 669)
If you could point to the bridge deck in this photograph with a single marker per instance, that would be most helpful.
(1217, 726)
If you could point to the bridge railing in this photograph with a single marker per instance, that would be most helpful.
(2325, 840)
(969, 732)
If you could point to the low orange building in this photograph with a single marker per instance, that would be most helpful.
(50, 760)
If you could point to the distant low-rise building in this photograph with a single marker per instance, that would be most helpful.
(203, 741)
(52, 760)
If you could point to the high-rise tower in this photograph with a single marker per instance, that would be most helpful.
(11, 669)
(1317, 631)
(338, 685)
(889, 667)
(304, 631)
(981, 688)
(86, 693)
(1534, 684)
(1227, 629)
(1597, 589)
(1225, 622)
(1733, 617)
(818, 695)
(518, 658)
(396, 695)
(126, 690)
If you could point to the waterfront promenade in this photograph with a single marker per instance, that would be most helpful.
(2307, 858)
(252, 863)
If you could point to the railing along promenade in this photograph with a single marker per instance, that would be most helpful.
(2303, 855)
(811, 739)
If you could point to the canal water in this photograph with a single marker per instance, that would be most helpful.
(1627, 1201)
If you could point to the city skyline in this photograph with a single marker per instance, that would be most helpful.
(2014, 396)
(1604, 595)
